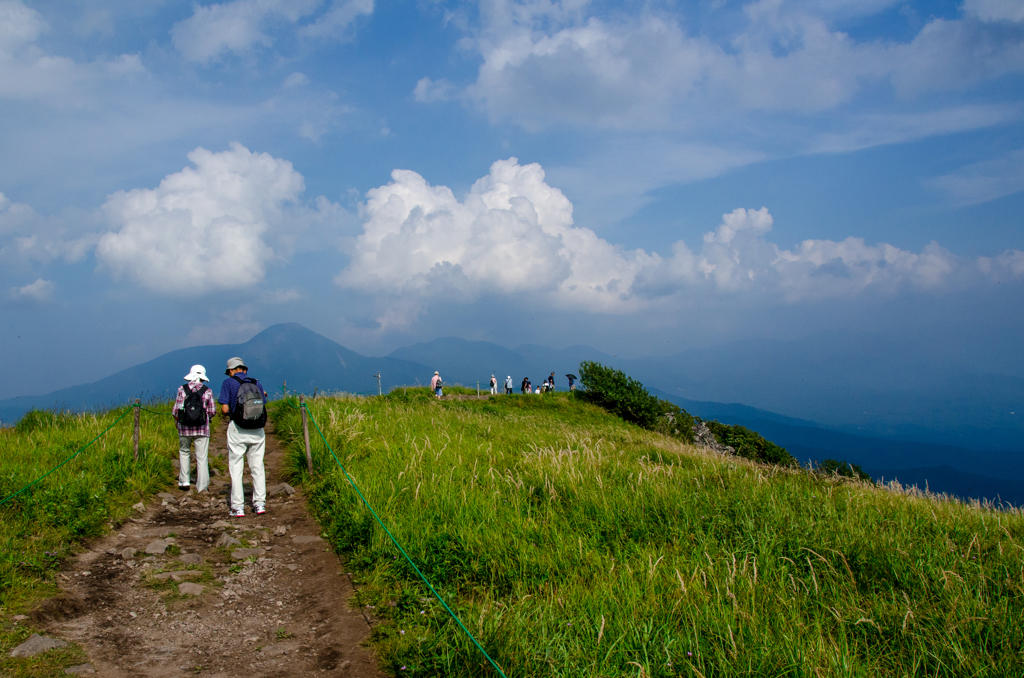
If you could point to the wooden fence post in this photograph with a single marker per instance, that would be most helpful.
(135, 439)
(305, 433)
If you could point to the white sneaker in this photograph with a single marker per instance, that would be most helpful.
(237, 513)
(260, 509)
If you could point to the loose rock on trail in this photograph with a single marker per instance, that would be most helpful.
(182, 589)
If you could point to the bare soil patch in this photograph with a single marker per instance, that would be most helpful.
(277, 608)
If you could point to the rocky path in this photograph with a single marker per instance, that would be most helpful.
(182, 589)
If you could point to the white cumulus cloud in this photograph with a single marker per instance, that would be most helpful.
(202, 229)
(514, 234)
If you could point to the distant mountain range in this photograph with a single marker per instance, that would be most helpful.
(308, 361)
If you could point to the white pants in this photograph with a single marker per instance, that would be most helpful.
(202, 444)
(494, 390)
(246, 443)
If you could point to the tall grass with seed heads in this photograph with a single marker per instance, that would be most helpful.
(574, 544)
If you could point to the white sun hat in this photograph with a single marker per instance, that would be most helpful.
(198, 372)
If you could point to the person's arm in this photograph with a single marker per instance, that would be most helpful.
(179, 400)
(225, 395)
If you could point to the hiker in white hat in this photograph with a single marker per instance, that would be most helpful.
(193, 410)
(435, 383)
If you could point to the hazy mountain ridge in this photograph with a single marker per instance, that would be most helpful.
(287, 352)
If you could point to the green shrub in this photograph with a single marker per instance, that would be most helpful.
(627, 398)
(38, 420)
(845, 469)
(750, 444)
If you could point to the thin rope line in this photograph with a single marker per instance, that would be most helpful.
(399, 547)
(8, 498)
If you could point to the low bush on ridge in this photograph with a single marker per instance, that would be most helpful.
(627, 398)
(750, 444)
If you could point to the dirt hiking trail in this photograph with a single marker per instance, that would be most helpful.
(205, 594)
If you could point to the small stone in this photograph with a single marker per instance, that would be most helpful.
(283, 488)
(277, 650)
(162, 576)
(292, 566)
(19, 617)
(81, 668)
(190, 589)
(220, 524)
(36, 644)
(156, 547)
(157, 531)
(242, 554)
(139, 507)
(167, 497)
(151, 559)
(182, 575)
(227, 540)
(280, 530)
(128, 553)
(112, 551)
(190, 558)
(305, 539)
(86, 573)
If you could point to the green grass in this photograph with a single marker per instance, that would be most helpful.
(44, 525)
(574, 544)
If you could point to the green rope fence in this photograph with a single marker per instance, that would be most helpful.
(399, 546)
(87, 445)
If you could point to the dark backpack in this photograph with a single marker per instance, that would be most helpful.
(250, 410)
(192, 413)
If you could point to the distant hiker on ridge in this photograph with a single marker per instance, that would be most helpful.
(551, 382)
(244, 399)
(494, 385)
(193, 411)
(435, 383)
(508, 385)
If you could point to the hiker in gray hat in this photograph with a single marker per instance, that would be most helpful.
(244, 400)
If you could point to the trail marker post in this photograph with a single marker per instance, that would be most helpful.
(377, 377)
(135, 437)
(305, 433)
(478, 387)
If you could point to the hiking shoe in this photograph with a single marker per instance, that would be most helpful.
(184, 488)
(238, 513)
(260, 509)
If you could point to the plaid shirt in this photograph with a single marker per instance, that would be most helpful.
(203, 430)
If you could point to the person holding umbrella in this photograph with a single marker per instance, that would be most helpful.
(572, 381)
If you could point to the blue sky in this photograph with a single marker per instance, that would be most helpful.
(640, 177)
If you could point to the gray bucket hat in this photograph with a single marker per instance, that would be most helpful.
(235, 363)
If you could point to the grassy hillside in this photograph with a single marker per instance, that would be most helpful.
(42, 526)
(574, 544)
